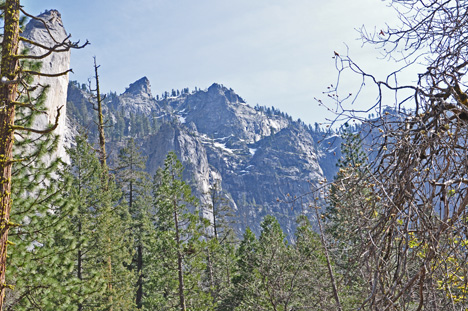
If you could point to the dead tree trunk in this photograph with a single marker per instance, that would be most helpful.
(103, 160)
(102, 137)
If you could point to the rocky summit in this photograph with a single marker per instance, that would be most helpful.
(265, 162)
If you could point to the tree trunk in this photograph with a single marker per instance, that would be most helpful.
(8, 95)
(330, 270)
(80, 263)
(102, 137)
(103, 159)
(130, 199)
(109, 271)
(179, 261)
(139, 296)
(213, 202)
(213, 290)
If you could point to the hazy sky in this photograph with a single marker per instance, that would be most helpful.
(271, 52)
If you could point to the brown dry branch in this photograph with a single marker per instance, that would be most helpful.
(414, 252)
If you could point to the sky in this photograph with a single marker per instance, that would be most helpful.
(271, 52)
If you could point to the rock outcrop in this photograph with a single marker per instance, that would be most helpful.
(220, 112)
(266, 162)
(55, 63)
(137, 99)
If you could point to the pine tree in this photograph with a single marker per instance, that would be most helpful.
(43, 245)
(270, 269)
(244, 279)
(16, 81)
(352, 203)
(312, 286)
(115, 221)
(134, 182)
(177, 255)
(104, 251)
(222, 213)
(87, 195)
(345, 207)
(272, 274)
(221, 243)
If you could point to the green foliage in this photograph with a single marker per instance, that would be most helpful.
(244, 280)
(272, 274)
(41, 243)
(220, 266)
(351, 196)
(177, 255)
(103, 251)
(134, 182)
(40, 254)
(352, 205)
(222, 213)
(130, 172)
(220, 248)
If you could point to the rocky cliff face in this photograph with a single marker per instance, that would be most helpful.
(219, 112)
(262, 158)
(55, 63)
(137, 99)
(265, 162)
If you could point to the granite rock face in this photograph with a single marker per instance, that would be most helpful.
(137, 99)
(266, 162)
(55, 63)
(219, 112)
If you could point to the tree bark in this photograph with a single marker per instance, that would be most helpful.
(103, 159)
(8, 95)
(102, 137)
(139, 295)
(179, 260)
(330, 270)
(80, 261)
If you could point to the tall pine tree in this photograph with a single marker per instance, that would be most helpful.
(102, 231)
(134, 182)
(177, 256)
(16, 92)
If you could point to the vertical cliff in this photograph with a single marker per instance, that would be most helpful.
(260, 156)
(50, 36)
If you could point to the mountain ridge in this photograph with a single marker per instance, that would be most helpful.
(260, 156)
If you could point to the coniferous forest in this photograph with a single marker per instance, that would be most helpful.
(94, 231)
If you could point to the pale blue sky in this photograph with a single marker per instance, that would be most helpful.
(271, 52)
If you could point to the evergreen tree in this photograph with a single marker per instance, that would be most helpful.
(220, 249)
(177, 254)
(222, 213)
(351, 204)
(42, 242)
(272, 274)
(104, 250)
(133, 181)
(270, 270)
(312, 287)
(244, 279)
(16, 81)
